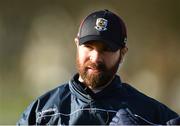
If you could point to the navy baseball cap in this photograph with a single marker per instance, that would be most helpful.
(103, 26)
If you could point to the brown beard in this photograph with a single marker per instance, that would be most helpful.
(98, 79)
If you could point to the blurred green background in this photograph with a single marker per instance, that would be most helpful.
(37, 50)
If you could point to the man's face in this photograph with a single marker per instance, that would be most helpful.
(96, 64)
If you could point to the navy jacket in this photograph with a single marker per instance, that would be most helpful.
(75, 104)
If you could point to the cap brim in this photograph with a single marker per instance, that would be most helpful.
(110, 44)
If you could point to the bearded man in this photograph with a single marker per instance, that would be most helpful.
(96, 95)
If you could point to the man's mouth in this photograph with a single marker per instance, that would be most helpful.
(93, 69)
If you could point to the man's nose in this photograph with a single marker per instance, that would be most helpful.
(95, 56)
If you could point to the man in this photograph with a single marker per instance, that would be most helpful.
(95, 94)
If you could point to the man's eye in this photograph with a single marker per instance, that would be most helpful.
(88, 46)
(108, 49)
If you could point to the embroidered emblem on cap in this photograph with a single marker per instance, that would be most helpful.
(101, 24)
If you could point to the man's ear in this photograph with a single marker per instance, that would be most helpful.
(76, 40)
(123, 51)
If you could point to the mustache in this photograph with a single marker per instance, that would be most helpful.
(99, 66)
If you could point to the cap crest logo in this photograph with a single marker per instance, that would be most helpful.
(101, 24)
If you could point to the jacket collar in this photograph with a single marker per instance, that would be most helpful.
(87, 95)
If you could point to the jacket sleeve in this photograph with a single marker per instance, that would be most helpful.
(28, 117)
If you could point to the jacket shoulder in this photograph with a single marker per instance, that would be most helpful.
(60, 90)
(148, 105)
(45, 101)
